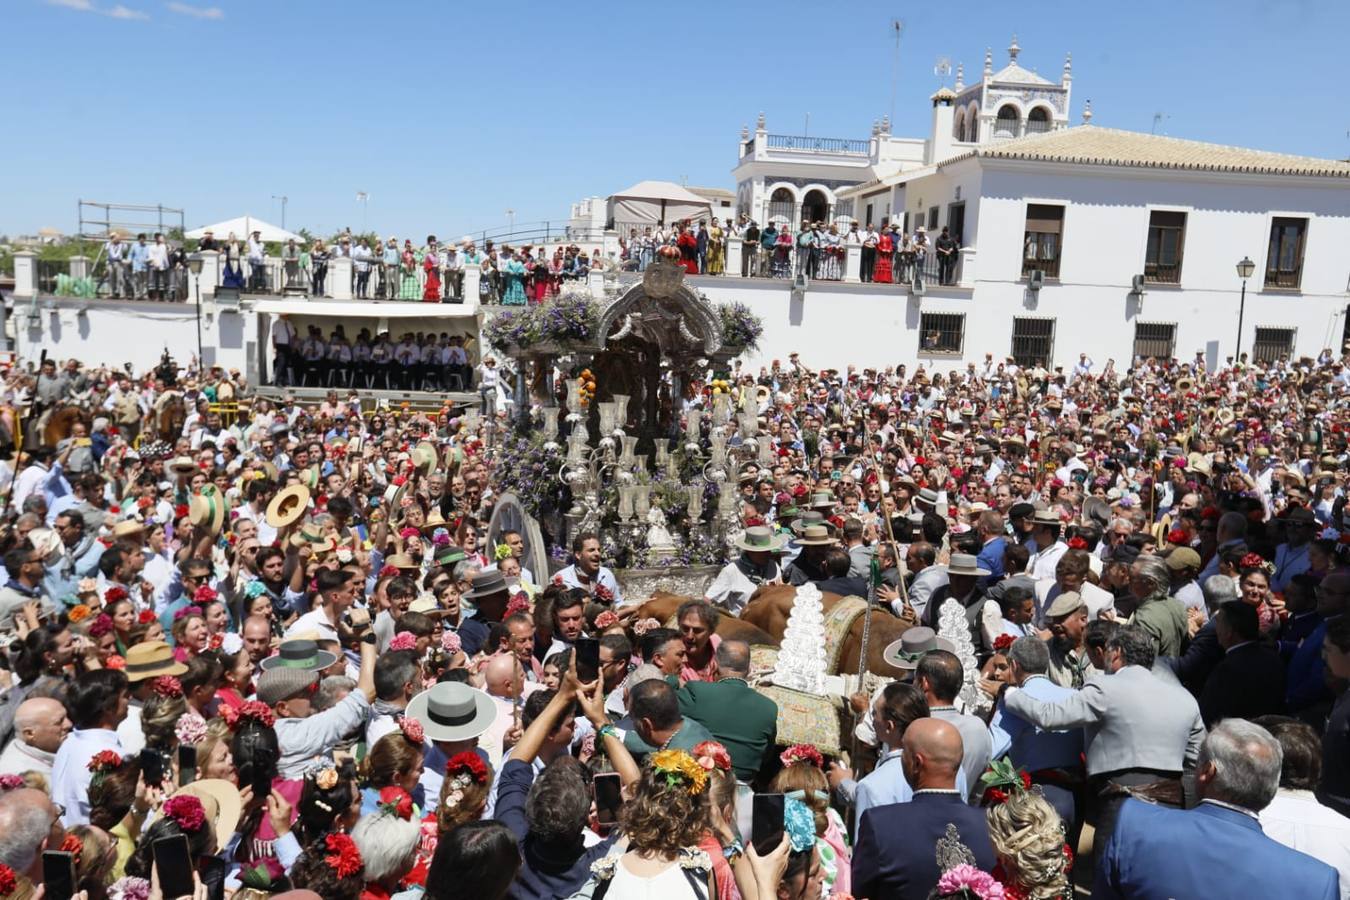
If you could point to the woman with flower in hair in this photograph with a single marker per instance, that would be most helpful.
(160, 714)
(212, 742)
(123, 615)
(803, 778)
(664, 824)
(394, 761)
(1028, 839)
(181, 815)
(720, 841)
(236, 680)
(102, 639)
(1254, 585)
(388, 841)
(464, 796)
(94, 853)
(216, 616)
(189, 633)
(119, 803)
(147, 628)
(331, 868)
(256, 752)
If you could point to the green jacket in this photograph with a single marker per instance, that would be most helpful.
(690, 735)
(742, 719)
(1165, 619)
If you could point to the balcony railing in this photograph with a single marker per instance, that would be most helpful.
(1284, 278)
(1050, 267)
(842, 146)
(1036, 126)
(1163, 273)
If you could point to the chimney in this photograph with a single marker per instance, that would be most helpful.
(939, 145)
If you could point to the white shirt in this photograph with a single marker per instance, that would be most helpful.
(20, 757)
(1042, 563)
(316, 621)
(1297, 820)
(129, 732)
(70, 771)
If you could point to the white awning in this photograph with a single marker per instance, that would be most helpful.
(241, 227)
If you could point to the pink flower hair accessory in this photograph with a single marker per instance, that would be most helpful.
(404, 640)
(187, 811)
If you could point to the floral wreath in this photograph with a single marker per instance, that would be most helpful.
(802, 753)
(602, 593)
(470, 763)
(78, 613)
(966, 880)
(190, 728)
(397, 802)
(145, 617)
(254, 589)
(102, 625)
(451, 643)
(111, 595)
(188, 611)
(680, 770)
(345, 859)
(712, 755)
(412, 729)
(187, 811)
(516, 605)
(1255, 561)
(404, 640)
(254, 710)
(1077, 543)
(204, 595)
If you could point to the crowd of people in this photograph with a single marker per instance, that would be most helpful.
(285, 638)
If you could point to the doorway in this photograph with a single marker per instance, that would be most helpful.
(816, 207)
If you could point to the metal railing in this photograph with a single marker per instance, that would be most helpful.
(803, 143)
(1037, 126)
(49, 272)
(1163, 273)
(1049, 267)
(1284, 278)
(1272, 343)
(1033, 341)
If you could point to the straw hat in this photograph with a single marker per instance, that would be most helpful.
(758, 538)
(818, 536)
(183, 465)
(150, 659)
(206, 509)
(288, 505)
(451, 711)
(308, 534)
(221, 802)
(424, 457)
(309, 477)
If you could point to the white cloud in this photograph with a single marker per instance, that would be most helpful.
(113, 12)
(197, 12)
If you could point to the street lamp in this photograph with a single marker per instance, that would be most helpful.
(195, 267)
(1245, 268)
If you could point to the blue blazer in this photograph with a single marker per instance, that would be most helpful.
(1209, 851)
(991, 558)
(895, 857)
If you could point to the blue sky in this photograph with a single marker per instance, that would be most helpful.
(449, 113)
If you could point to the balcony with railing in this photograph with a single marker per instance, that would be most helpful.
(1162, 273)
(805, 144)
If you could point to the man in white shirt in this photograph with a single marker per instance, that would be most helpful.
(257, 262)
(1045, 531)
(283, 350)
(337, 594)
(159, 269)
(98, 702)
(40, 725)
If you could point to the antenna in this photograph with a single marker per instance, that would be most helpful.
(1158, 119)
(283, 200)
(897, 27)
(942, 68)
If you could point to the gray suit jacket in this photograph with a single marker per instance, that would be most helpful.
(1131, 720)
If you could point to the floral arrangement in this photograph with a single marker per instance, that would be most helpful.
(190, 728)
(187, 612)
(1001, 780)
(231, 642)
(642, 626)
(602, 593)
(966, 880)
(103, 762)
(740, 327)
(404, 640)
(412, 729)
(680, 770)
(1077, 543)
(518, 604)
(802, 753)
(323, 774)
(116, 661)
(451, 643)
(187, 811)
(468, 763)
(79, 613)
(167, 686)
(343, 857)
(712, 755)
(397, 802)
(1002, 643)
(74, 846)
(800, 824)
(1255, 561)
(570, 317)
(254, 710)
(102, 625)
(129, 887)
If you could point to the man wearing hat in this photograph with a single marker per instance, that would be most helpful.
(453, 715)
(1291, 557)
(489, 595)
(963, 585)
(287, 685)
(1183, 563)
(756, 566)
(814, 542)
(1045, 531)
(146, 661)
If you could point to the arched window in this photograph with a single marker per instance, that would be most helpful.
(973, 124)
(782, 206)
(1006, 124)
(1038, 121)
(960, 124)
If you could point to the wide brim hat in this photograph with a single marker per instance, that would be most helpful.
(451, 711)
(487, 584)
(309, 477)
(183, 465)
(151, 659)
(300, 654)
(760, 539)
(309, 534)
(393, 495)
(822, 500)
(221, 801)
(809, 518)
(913, 645)
(206, 509)
(402, 561)
(123, 529)
(270, 470)
(424, 457)
(816, 536)
(1097, 511)
(1225, 416)
(926, 497)
(965, 564)
(1046, 517)
(435, 520)
(288, 505)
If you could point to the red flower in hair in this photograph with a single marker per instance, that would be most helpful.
(180, 510)
(396, 801)
(215, 641)
(145, 616)
(204, 594)
(518, 604)
(8, 883)
(72, 845)
(345, 859)
(1177, 536)
(388, 571)
(187, 811)
(1252, 561)
(167, 686)
(104, 761)
(470, 762)
(804, 753)
(253, 709)
(1077, 543)
(1002, 643)
(116, 661)
(603, 594)
(114, 594)
(712, 755)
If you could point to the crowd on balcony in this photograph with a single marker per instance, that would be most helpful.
(279, 637)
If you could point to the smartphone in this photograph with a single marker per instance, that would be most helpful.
(606, 787)
(187, 764)
(588, 659)
(261, 780)
(152, 767)
(173, 861)
(58, 874)
(766, 829)
(211, 870)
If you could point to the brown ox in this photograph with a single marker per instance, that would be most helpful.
(662, 607)
(771, 605)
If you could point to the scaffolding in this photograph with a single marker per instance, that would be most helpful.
(99, 220)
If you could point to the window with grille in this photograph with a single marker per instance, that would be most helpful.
(1272, 343)
(1042, 239)
(1033, 341)
(942, 333)
(1166, 237)
(1284, 261)
(1156, 339)
(933, 218)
